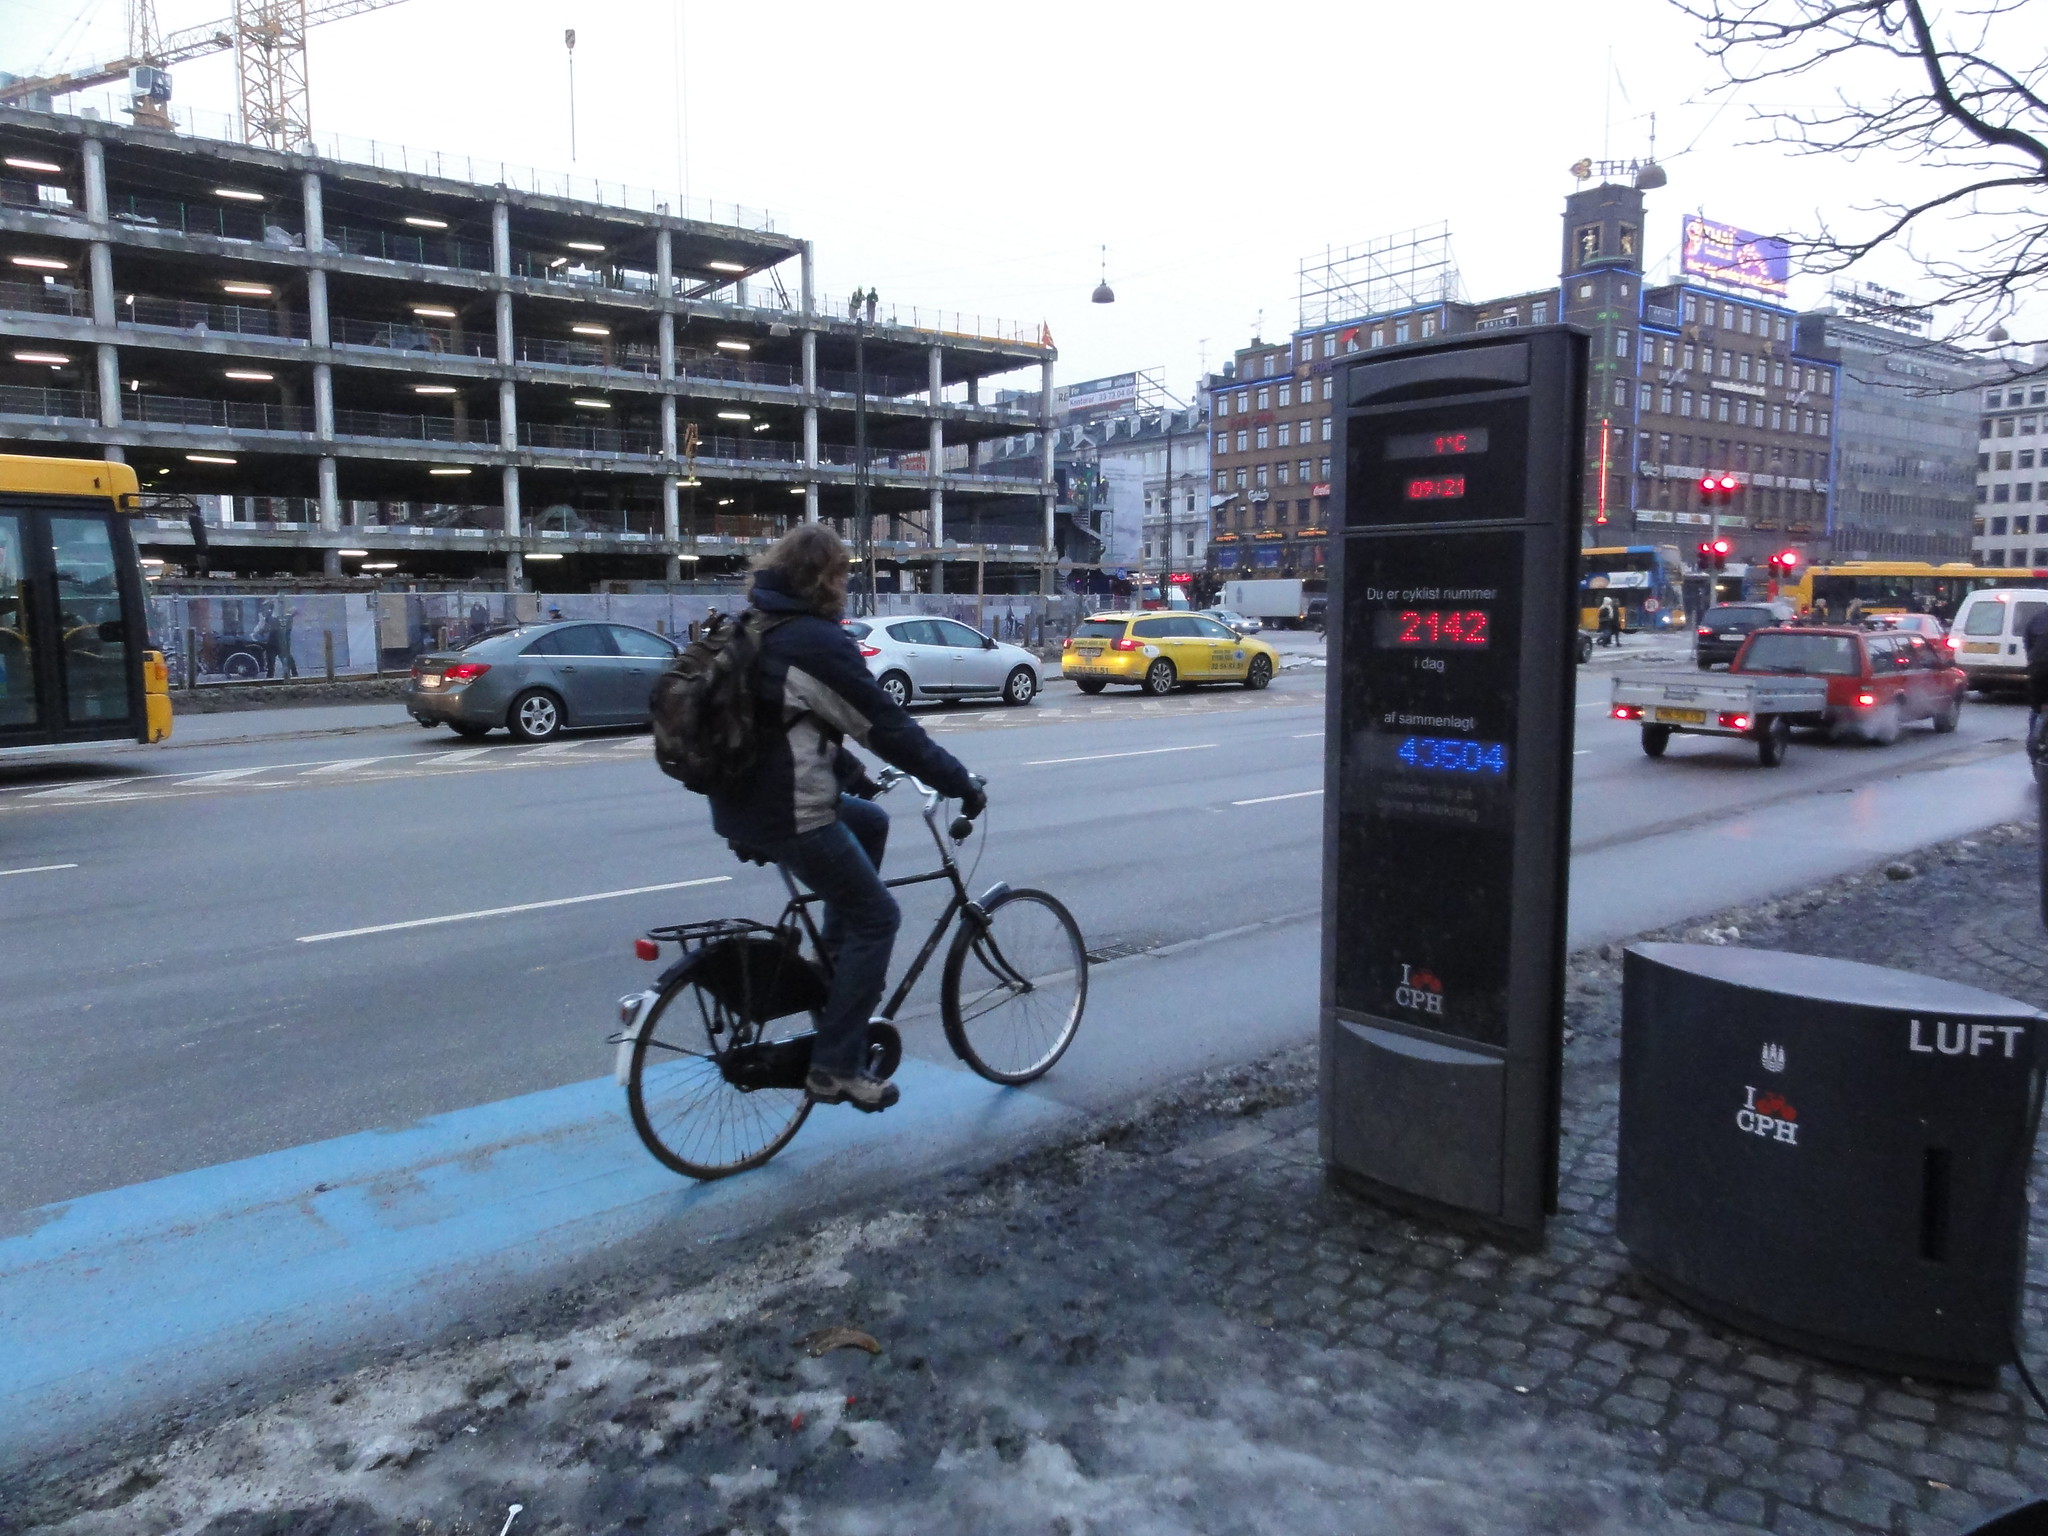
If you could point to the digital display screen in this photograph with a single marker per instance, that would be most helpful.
(1428, 757)
(1435, 488)
(1471, 468)
(1431, 629)
(1437, 445)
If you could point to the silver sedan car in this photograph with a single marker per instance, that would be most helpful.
(927, 658)
(540, 679)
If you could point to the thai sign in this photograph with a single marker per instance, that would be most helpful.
(1737, 258)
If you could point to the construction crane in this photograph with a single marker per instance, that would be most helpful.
(268, 39)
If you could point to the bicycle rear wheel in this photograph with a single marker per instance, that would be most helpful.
(1014, 987)
(685, 1104)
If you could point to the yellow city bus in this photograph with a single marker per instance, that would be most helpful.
(1899, 586)
(75, 662)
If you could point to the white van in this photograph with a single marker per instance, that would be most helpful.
(1986, 636)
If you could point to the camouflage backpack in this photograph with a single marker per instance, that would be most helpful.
(707, 726)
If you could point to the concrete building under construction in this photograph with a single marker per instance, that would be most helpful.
(434, 371)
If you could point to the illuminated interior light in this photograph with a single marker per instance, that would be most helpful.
(249, 375)
(592, 405)
(238, 195)
(353, 554)
(421, 221)
(735, 416)
(208, 458)
(543, 557)
(737, 346)
(23, 163)
(724, 266)
(247, 290)
(54, 359)
(433, 311)
(448, 469)
(585, 245)
(433, 389)
(40, 263)
(585, 329)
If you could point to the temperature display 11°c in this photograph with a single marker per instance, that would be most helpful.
(1432, 629)
(1454, 754)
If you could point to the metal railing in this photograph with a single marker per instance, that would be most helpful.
(224, 220)
(732, 371)
(424, 516)
(879, 385)
(420, 250)
(229, 319)
(418, 429)
(625, 356)
(411, 336)
(28, 195)
(608, 522)
(750, 450)
(231, 415)
(45, 299)
(50, 404)
(578, 439)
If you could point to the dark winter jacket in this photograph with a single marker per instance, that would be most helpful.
(2036, 638)
(814, 691)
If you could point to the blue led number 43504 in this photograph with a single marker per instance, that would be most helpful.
(1452, 754)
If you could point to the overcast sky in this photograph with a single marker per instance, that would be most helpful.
(976, 156)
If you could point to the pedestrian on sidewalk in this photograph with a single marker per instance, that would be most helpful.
(1610, 622)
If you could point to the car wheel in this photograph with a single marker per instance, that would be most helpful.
(1771, 742)
(897, 686)
(1950, 715)
(1259, 673)
(1090, 684)
(1159, 678)
(1655, 739)
(1585, 649)
(1706, 665)
(536, 715)
(468, 731)
(1021, 687)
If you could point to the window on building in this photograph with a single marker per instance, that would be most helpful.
(1222, 481)
(2027, 426)
(1428, 326)
(2001, 460)
(1824, 424)
(1265, 399)
(1243, 400)
(1303, 467)
(2019, 524)
(1190, 545)
(1379, 336)
(1827, 383)
(1642, 447)
(1262, 436)
(1243, 439)
(1745, 322)
(1223, 442)
(1692, 312)
(1621, 394)
(1727, 317)
(1983, 495)
(1239, 479)
(1742, 367)
(1401, 331)
(1329, 390)
(1721, 409)
(1287, 394)
(1643, 397)
(1286, 433)
(1777, 418)
(1308, 351)
(1323, 470)
(1998, 524)
(1664, 446)
(1586, 241)
(1993, 399)
(1621, 343)
(1780, 330)
(1330, 345)
(1664, 399)
(1994, 557)
(1280, 473)
(2000, 494)
(1685, 402)
(1325, 434)
(1539, 312)
(1742, 413)
(1778, 374)
(1727, 365)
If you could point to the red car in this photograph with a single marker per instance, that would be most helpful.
(1877, 680)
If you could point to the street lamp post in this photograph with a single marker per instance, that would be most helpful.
(863, 537)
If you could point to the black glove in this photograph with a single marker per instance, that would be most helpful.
(974, 802)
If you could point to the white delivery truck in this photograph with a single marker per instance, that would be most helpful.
(1281, 601)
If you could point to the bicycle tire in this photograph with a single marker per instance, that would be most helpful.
(991, 1033)
(735, 1129)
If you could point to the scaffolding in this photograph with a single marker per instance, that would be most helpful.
(1381, 276)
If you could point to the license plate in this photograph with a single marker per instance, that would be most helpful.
(1681, 717)
(1088, 647)
(1981, 647)
(1733, 634)
(430, 679)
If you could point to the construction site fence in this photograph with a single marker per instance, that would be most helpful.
(217, 641)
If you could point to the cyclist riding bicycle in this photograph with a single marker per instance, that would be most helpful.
(807, 808)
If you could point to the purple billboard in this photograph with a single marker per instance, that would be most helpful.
(1721, 253)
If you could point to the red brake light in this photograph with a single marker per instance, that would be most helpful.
(1866, 699)
(466, 671)
(1951, 642)
(1067, 644)
(1627, 712)
(871, 650)
(1705, 632)
(1126, 644)
(1731, 722)
(646, 949)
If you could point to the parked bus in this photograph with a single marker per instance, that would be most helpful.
(1645, 581)
(75, 662)
(1898, 586)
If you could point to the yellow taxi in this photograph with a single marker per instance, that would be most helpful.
(1160, 652)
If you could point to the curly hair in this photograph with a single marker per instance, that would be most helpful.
(811, 562)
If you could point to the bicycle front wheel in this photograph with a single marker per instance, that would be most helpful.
(681, 1089)
(1014, 987)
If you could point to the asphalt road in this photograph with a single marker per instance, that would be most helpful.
(225, 949)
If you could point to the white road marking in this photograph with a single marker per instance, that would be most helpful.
(524, 906)
(224, 776)
(36, 869)
(1101, 757)
(467, 755)
(346, 765)
(1305, 735)
(1583, 752)
(77, 791)
(554, 749)
(1299, 794)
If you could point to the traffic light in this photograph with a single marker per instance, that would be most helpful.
(1714, 554)
(1785, 564)
(1718, 489)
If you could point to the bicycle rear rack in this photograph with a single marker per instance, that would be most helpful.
(688, 934)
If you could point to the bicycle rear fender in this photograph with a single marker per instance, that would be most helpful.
(642, 1005)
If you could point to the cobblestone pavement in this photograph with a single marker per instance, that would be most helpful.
(1175, 1325)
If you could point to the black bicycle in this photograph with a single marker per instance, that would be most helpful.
(713, 1057)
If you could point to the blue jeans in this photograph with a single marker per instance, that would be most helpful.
(842, 863)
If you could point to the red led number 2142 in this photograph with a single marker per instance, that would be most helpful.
(1443, 626)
